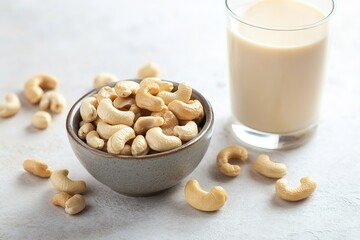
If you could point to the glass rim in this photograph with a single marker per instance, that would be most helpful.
(295, 28)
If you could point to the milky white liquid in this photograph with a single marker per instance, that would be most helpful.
(276, 76)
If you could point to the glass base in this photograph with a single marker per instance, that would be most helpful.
(270, 141)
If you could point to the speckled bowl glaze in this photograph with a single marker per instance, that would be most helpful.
(141, 175)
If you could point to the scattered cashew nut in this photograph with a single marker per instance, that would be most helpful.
(11, 107)
(306, 188)
(117, 141)
(186, 111)
(109, 114)
(126, 88)
(183, 94)
(37, 168)
(53, 100)
(139, 146)
(88, 109)
(104, 78)
(268, 168)
(187, 132)
(72, 204)
(63, 184)
(143, 124)
(93, 140)
(202, 200)
(41, 120)
(60, 198)
(160, 142)
(149, 70)
(34, 87)
(75, 204)
(228, 153)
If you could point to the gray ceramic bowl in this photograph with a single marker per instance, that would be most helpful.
(141, 175)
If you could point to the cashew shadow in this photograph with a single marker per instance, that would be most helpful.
(260, 178)
(280, 203)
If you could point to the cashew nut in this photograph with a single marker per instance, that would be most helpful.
(96, 121)
(126, 150)
(104, 78)
(106, 130)
(202, 200)
(54, 100)
(75, 204)
(85, 129)
(88, 109)
(163, 85)
(187, 132)
(183, 94)
(106, 92)
(81, 123)
(145, 123)
(149, 70)
(160, 142)
(11, 107)
(34, 87)
(139, 146)
(186, 111)
(170, 121)
(123, 102)
(126, 88)
(93, 140)
(268, 168)
(41, 119)
(60, 199)
(307, 187)
(136, 110)
(145, 99)
(62, 183)
(117, 141)
(228, 153)
(37, 168)
(109, 114)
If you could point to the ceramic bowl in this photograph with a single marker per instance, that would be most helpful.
(141, 175)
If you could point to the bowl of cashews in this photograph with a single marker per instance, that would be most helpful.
(140, 136)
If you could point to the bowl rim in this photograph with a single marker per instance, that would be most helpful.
(209, 121)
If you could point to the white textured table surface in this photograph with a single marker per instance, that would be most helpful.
(74, 40)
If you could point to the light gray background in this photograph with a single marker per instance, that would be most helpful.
(74, 40)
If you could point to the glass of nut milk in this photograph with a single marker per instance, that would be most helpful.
(277, 52)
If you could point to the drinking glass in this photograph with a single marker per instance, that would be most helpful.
(276, 69)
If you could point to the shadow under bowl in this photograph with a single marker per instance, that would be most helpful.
(141, 175)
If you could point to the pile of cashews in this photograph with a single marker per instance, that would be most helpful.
(139, 118)
(216, 198)
(69, 196)
(35, 91)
